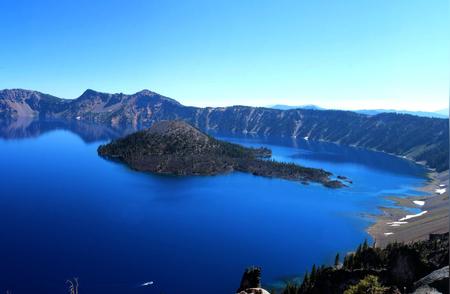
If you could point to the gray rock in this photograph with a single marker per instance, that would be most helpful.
(426, 290)
(435, 282)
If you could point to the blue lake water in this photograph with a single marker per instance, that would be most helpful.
(65, 212)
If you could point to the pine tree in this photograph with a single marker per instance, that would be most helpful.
(358, 251)
(336, 260)
(305, 283)
(365, 245)
(350, 261)
(313, 274)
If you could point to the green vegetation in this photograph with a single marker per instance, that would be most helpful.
(336, 260)
(377, 270)
(368, 285)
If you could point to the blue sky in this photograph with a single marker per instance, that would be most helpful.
(342, 54)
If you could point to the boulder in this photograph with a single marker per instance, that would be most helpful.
(251, 282)
(436, 281)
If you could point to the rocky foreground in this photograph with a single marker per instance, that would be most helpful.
(420, 267)
(397, 224)
(177, 148)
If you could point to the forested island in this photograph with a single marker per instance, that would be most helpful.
(177, 148)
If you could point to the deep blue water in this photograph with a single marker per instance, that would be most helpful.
(66, 212)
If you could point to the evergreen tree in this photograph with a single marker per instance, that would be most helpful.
(358, 251)
(336, 260)
(365, 245)
(350, 261)
(313, 274)
(345, 261)
(305, 283)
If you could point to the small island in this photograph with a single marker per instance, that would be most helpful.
(177, 148)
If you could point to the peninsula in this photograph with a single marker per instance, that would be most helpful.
(177, 148)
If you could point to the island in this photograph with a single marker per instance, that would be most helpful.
(177, 148)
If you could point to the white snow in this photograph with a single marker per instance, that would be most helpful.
(78, 117)
(419, 202)
(413, 215)
(388, 233)
(147, 284)
(442, 185)
(441, 191)
(306, 138)
(396, 224)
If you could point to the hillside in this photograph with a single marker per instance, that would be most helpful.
(175, 147)
(417, 267)
(417, 138)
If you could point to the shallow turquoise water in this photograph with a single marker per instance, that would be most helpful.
(66, 212)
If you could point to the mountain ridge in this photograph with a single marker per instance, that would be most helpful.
(442, 113)
(417, 138)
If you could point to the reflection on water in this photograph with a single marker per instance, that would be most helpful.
(316, 153)
(88, 132)
(307, 150)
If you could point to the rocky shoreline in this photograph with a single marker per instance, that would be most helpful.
(398, 225)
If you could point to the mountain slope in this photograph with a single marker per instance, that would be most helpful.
(17, 103)
(418, 138)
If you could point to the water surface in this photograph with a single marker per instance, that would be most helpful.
(65, 212)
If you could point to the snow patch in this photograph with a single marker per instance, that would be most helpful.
(396, 224)
(440, 191)
(419, 202)
(409, 216)
(388, 233)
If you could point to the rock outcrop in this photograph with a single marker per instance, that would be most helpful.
(251, 282)
(418, 267)
(435, 282)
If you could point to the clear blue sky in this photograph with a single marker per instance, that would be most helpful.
(343, 54)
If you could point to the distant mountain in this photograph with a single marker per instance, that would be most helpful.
(288, 107)
(443, 113)
(417, 138)
(418, 113)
